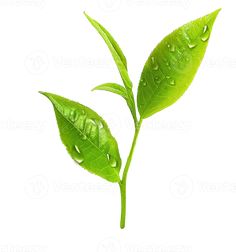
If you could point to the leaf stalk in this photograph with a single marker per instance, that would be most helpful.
(122, 183)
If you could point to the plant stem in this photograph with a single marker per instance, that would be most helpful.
(122, 183)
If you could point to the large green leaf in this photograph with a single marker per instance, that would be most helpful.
(173, 64)
(87, 138)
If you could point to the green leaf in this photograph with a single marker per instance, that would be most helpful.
(120, 61)
(173, 64)
(118, 89)
(114, 88)
(115, 50)
(87, 138)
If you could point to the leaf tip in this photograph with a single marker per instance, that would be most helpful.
(87, 16)
(41, 92)
(45, 94)
(214, 14)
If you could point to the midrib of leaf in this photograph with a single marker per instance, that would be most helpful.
(155, 89)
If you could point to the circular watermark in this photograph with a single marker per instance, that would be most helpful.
(37, 187)
(181, 187)
(109, 245)
(109, 5)
(37, 62)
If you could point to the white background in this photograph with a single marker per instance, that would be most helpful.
(182, 181)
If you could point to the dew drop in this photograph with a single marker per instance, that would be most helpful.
(100, 125)
(192, 45)
(167, 77)
(171, 47)
(84, 137)
(143, 82)
(205, 33)
(77, 149)
(93, 122)
(112, 161)
(153, 60)
(157, 80)
(73, 115)
(205, 28)
(205, 37)
(78, 158)
(167, 63)
(156, 67)
(172, 82)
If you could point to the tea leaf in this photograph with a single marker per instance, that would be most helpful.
(173, 64)
(87, 138)
(112, 87)
(115, 50)
(120, 61)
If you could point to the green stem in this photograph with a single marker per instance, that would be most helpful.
(122, 183)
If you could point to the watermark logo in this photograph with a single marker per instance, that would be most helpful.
(109, 245)
(37, 62)
(109, 5)
(181, 187)
(37, 187)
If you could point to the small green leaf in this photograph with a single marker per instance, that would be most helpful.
(120, 90)
(173, 64)
(114, 88)
(87, 138)
(115, 50)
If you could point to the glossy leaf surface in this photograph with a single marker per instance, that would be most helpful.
(87, 138)
(115, 50)
(112, 87)
(173, 64)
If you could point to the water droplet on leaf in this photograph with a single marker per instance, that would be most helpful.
(73, 115)
(172, 82)
(84, 137)
(112, 161)
(100, 125)
(78, 158)
(192, 45)
(156, 67)
(157, 80)
(77, 149)
(143, 82)
(171, 47)
(205, 28)
(205, 33)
